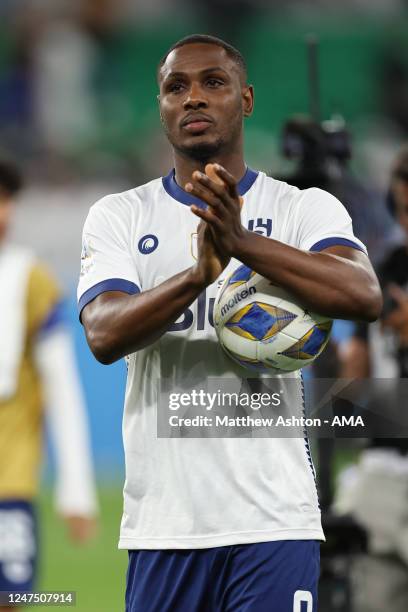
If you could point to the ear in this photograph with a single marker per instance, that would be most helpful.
(158, 101)
(247, 100)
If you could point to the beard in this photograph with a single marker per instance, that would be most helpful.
(200, 151)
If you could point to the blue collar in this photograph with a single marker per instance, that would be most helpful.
(175, 191)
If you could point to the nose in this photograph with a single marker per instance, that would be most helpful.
(195, 98)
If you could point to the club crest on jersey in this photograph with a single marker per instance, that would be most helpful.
(262, 226)
(193, 245)
(147, 244)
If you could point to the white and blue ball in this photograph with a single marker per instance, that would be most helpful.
(263, 328)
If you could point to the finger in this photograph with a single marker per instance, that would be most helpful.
(207, 216)
(207, 196)
(218, 187)
(211, 173)
(227, 179)
(199, 212)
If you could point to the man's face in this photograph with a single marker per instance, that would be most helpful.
(6, 207)
(202, 100)
(400, 193)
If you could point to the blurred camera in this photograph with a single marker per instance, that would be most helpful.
(305, 139)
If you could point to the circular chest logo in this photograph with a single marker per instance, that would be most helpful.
(147, 244)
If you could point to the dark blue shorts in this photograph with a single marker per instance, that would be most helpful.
(264, 577)
(18, 545)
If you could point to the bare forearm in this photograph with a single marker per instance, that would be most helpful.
(117, 324)
(323, 282)
(339, 282)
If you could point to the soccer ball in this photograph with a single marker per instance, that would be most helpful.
(263, 328)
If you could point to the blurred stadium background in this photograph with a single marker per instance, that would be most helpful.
(78, 112)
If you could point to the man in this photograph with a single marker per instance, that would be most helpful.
(211, 524)
(377, 494)
(381, 350)
(393, 272)
(36, 369)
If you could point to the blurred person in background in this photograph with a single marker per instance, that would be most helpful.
(375, 492)
(381, 349)
(19, 28)
(37, 370)
(65, 59)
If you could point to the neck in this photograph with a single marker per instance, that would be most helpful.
(185, 166)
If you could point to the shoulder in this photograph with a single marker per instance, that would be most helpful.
(293, 199)
(41, 277)
(23, 264)
(315, 195)
(320, 204)
(289, 195)
(124, 205)
(273, 192)
(130, 199)
(275, 187)
(290, 192)
(16, 256)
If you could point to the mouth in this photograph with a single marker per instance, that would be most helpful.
(196, 123)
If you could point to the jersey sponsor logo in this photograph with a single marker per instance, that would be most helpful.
(262, 226)
(147, 244)
(238, 297)
(205, 312)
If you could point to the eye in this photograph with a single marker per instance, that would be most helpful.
(213, 82)
(175, 87)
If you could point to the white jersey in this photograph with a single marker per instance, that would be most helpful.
(202, 492)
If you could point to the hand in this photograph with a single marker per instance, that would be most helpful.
(224, 206)
(81, 529)
(398, 319)
(211, 262)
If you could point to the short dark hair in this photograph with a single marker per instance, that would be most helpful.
(11, 180)
(207, 39)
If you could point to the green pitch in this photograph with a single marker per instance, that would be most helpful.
(96, 571)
